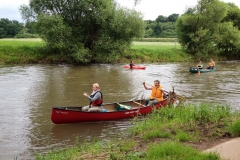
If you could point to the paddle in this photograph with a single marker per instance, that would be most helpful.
(139, 104)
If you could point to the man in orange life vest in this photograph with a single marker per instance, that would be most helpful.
(96, 100)
(156, 95)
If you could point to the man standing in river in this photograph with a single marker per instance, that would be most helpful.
(96, 100)
(156, 95)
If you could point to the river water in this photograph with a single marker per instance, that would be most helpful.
(28, 92)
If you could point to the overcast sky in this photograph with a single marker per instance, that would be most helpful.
(151, 9)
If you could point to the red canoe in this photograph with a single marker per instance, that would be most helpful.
(135, 67)
(62, 115)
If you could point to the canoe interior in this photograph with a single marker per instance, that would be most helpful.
(110, 107)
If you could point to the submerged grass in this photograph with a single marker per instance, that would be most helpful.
(165, 134)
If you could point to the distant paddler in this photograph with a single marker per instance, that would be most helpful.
(211, 64)
(200, 65)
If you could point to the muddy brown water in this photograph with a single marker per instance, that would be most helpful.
(28, 92)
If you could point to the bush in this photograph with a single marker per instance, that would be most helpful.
(235, 128)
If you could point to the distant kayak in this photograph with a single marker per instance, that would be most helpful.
(195, 70)
(135, 67)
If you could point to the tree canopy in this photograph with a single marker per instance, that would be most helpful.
(209, 28)
(86, 30)
(8, 28)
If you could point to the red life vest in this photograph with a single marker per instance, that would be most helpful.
(98, 102)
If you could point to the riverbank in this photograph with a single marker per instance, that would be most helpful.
(170, 133)
(33, 51)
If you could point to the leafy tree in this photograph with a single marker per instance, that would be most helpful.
(158, 29)
(86, 30)
(197, 31)
(233, 15)
(161, 18)
(173, 17)
(229, 40)
(9, 29)
(210, 28)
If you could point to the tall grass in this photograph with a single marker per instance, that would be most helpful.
(176, 151)
(164, 134)
(235, 128)
(15, 51)
(183, 123)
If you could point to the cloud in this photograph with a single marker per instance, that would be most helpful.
(10, 13)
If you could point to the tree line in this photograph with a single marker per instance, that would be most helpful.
(15, 29)
(8, 28)
(163, 27)
(102, 31)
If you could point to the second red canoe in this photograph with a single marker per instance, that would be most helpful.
(135, 67)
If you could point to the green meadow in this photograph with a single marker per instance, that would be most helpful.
(32, 50)
(157, 52)
(21, 50)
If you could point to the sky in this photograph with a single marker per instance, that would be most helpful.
(150, 9)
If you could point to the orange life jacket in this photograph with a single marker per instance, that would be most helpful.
(157, 93)
(211, 64)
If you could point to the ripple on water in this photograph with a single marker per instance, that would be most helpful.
(28, 92)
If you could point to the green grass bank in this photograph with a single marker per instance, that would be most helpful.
(33, 51)
(171, 133)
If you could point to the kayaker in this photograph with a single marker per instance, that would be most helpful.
(156, 95)
(96, 100)
(131, 64)
(200, 65)
(211, 64)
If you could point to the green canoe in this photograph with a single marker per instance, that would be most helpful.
(195, 70)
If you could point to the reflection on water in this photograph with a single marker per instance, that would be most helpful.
(28, 92)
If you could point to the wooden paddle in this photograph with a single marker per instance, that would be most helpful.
(139, 104)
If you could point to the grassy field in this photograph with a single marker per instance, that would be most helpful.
(172, 44)
(21, 39)
(157, 52)
(171, 133)
(31, 50)
(155, 39)
(20, 50)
